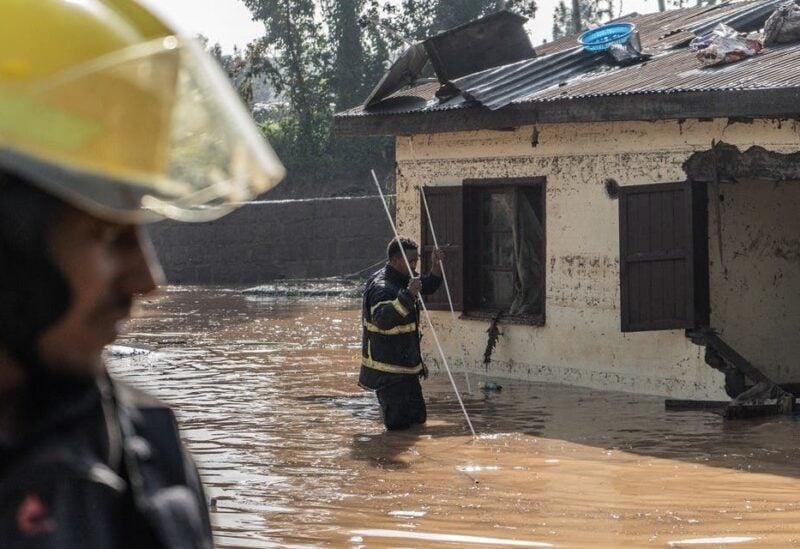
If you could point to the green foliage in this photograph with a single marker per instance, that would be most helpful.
(580, 15)
(685, 3)
(348, 82)
(420, 19)
(319, 60)
(300, 68)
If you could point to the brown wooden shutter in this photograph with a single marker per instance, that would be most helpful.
(446, 206)
(662, 264)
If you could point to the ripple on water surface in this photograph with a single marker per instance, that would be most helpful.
(293, 451)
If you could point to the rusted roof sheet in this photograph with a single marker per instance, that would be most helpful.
(564, 72)
(497, 87)
(679, 72)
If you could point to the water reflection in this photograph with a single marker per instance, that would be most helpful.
(265, 392)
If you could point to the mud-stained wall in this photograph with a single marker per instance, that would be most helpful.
(755, 273)
(581, 342)
(265, 241)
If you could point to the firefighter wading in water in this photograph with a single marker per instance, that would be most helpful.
(108, 120)
(391, 363)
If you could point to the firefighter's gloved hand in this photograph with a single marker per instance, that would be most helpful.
(414, 286)
(424, 373)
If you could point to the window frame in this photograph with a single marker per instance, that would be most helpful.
(449, 225)
(471, 277)
(689, 262)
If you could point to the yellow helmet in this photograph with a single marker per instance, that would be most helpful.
(104, 106)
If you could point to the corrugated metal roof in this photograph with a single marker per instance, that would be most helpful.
(663, 30)
(564, 71)
(497, 87)
(680, 72)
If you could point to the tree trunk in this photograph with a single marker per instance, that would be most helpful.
(297, 78)
(577, 25)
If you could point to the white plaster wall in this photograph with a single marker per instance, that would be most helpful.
(581, 342)
(755, 275)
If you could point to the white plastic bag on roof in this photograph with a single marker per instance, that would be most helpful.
(724, 45)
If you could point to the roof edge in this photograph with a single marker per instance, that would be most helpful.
(761, 103)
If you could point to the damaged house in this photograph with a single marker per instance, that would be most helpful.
(633, 226)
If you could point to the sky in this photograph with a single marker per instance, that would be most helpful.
(229, 22)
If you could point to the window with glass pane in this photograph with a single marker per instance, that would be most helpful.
(504, 261)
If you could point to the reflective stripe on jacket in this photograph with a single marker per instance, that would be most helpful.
(390, 328)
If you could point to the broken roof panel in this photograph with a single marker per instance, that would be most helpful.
(492, 40)
(403, 72)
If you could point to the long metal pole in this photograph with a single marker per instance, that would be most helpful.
(424, 308)
(446, 287)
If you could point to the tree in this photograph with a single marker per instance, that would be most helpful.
(581, 15)
(420, 19)
(377, 46)
(300, 69)
(319, 60)
(248, 71)
(349, 85)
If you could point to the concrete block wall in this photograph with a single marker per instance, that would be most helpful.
(270, 240)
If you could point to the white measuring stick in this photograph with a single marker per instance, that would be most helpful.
(424, 308)
(446, 288)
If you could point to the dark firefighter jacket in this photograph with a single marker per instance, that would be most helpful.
(106, 469)
(390, 318)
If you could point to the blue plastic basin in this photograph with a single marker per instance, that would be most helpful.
(601, 38)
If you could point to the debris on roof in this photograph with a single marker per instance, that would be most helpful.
(783, 26)
(724, 45)
(403, 72)
(494, 40)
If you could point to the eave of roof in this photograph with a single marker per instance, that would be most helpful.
(777, 103)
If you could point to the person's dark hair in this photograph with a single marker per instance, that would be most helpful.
(33, 293)
(393, 249)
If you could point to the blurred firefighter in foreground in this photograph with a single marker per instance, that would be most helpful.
(108, 120)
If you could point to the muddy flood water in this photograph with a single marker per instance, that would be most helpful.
(295, 456)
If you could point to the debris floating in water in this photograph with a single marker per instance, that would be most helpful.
(123, 351)
(491, 386)
(316, 287)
